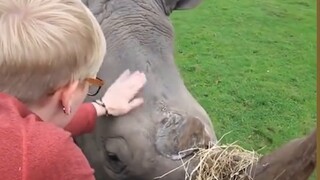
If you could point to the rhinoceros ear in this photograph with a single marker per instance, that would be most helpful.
(187, 4)
(171, 5)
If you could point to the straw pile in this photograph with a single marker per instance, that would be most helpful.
(220, 162)
(226, 162)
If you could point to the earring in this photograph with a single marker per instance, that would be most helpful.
(65, 111)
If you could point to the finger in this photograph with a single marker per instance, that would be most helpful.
(136, 82)
(124, 75)
(132, 92)
(143, 78)
(140, 82)
(135, 74)
(127, 77)
(135, 103)
(135, 89)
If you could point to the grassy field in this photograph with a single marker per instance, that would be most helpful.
(252, 66)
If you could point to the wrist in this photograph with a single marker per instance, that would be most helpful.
(102, 107)
(101, 111)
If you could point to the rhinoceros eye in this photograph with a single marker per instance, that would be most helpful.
(114, 162)
(116, 154)
(113, 157)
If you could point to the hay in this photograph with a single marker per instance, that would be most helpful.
(226, 162)
(220, 162)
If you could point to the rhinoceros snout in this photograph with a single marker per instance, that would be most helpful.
(177, 135)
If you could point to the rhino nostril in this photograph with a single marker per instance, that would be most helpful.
(176, 134)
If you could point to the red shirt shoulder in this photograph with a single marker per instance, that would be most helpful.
(35, 150)
(52, 154)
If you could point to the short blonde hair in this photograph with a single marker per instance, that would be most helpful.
(45, 44)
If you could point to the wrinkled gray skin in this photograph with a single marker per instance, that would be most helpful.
(146, 142)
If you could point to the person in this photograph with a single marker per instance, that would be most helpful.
(50, 54)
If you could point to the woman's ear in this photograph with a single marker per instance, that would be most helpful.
(67, 96)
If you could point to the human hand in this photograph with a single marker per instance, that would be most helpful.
(119, 99)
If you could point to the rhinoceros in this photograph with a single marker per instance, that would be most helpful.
(145, 143)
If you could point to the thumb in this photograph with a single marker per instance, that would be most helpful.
(135, 103)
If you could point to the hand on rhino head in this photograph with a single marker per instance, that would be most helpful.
(119, 99)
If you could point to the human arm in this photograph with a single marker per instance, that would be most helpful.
(119, 99)
(84, 120)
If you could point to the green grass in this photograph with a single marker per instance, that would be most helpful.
(252, 65)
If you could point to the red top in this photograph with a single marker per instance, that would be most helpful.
(32, 149)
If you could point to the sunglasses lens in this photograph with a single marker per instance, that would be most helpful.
(95, 86)
(93, 90)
